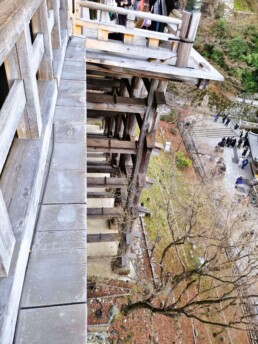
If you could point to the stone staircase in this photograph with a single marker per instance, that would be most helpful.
(212, 130)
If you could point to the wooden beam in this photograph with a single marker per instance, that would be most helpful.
(156, 53)
(106, 182)
(104, 213)
(7, 240)
(100, 194)
(126, 67)
(10, 115)
(100, 102)
(103, 169)
(102, 237)
(38, 51)
(100, 83)
(25, 56)
(40, 24)
(111, 146)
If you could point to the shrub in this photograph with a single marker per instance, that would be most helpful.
(182, 161)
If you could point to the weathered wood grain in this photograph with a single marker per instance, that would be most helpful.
(10, 115)
(40, 24)
(25, 56)
(7, 240)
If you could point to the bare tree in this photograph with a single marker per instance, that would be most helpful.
(206, 258)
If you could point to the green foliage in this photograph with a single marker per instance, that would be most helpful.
(233, 47)
(238, 48)
(163, 118)
(182, 161)
(221, 28)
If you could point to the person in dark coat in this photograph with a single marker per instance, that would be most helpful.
(239, 142)
(236, 126)
(224, 118)
(241, 134)
(233, 142)
(229, 141)
(227, 122)
(246, 135)
(123, 4)
(162, 7)
(246, 142)
(245, 152)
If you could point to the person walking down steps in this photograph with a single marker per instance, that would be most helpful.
(227, 122)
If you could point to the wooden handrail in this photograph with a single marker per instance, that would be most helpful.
(138, 14)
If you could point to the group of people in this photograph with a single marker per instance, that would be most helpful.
(233, 141)
(161, 7)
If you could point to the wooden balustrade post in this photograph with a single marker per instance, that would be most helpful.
(7, 239)
(64, 15)
(56, 32)
(33, 126)
(12, 70)
(190, 22)
(40, 24)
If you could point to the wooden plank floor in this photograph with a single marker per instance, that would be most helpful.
(54, 292)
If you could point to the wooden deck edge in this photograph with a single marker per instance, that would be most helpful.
(11, 286)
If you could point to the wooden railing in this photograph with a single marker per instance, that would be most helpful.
(32, 30)
(181, 33)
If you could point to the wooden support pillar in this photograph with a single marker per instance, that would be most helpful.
(56, 32)
(40, 24)
(137, 180)
(7, 240)
(33, 127)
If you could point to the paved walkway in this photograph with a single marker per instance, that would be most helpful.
(53, 304)
(207, 134)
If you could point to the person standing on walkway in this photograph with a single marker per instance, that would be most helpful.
(227, 122)
(224, 119)
(244, 164)
(233, 142)
(240, 161)
(241, 134)
(239, 142)
(246, 142)
(216, 117)
(245, 152)
(246, 134)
